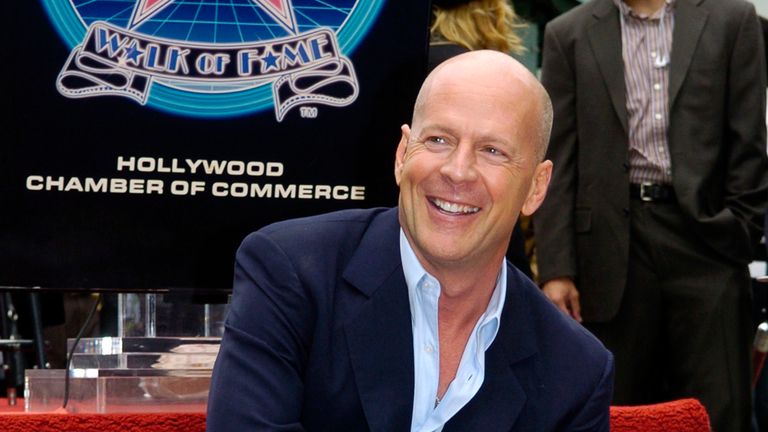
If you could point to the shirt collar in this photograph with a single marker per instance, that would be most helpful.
(415, 273)
(412, 268)
(625, 10)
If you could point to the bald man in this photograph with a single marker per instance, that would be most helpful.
(410, 318)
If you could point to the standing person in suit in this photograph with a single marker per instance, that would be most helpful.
(460, 26)
(409, 318)
(659, 185)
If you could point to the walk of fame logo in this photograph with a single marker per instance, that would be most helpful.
(214, 58)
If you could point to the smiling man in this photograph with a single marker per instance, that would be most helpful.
(410, 318)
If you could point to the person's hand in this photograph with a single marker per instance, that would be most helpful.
(563, 293)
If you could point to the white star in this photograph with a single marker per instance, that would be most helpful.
(145, 9)
(280, 10)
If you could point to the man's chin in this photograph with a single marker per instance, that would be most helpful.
(451, 254)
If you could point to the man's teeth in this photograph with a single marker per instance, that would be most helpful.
(454, 208)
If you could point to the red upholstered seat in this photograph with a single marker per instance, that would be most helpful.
(684, 415)
(153, 422)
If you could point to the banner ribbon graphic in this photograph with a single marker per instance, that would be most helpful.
(304, 69)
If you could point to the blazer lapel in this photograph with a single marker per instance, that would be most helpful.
(689, 23)
(502, 397)
(605, 40)
(379, 336)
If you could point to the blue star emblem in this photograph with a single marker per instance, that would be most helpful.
(270, 61)
(132, 53)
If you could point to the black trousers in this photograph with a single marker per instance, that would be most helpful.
(684, 327)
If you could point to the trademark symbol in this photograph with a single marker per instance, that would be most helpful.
(308, 112)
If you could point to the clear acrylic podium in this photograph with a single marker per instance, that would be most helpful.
(160, 361)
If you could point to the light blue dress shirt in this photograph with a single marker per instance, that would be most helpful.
(423, 293)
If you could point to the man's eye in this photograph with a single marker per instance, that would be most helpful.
(494, 151)
(436, 140)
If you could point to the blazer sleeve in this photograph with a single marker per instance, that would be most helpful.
(595, 415)
(553, 222)
(747, 176)
(257, 380)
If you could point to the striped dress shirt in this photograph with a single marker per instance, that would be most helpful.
(646, 49)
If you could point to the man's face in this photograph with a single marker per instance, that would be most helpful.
(465, 171)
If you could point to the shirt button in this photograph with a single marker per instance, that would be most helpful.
(657, 86)
(657, 116)
(661, 149)
(429, 349)
(653, 54)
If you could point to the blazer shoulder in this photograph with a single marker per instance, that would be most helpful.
(314, 243)
(561, 333)
(574, 24)
(568, 367)
(726, 7)
(321, 230)
(580, 15)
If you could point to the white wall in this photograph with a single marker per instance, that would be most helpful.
(761, 6)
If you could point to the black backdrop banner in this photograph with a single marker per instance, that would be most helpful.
(147, 138)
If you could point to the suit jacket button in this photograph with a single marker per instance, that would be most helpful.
(626, 166)
(625, 211)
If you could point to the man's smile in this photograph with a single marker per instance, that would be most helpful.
(453, 208)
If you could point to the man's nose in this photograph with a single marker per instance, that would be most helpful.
(461, 164)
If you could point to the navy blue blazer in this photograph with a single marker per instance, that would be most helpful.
(318, 337)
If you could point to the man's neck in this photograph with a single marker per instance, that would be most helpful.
(465, 293)
(464, 298)
(645, 7)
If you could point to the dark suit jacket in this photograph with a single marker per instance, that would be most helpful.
(716, 140)
(442, 51)
(318, 337)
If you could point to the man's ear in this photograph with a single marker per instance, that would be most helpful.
(538, 191)
(400, 153)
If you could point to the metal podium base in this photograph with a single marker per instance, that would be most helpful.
(135, 372)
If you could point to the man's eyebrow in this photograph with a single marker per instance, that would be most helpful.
(482, 138)
(432, 128)
(504, 143)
